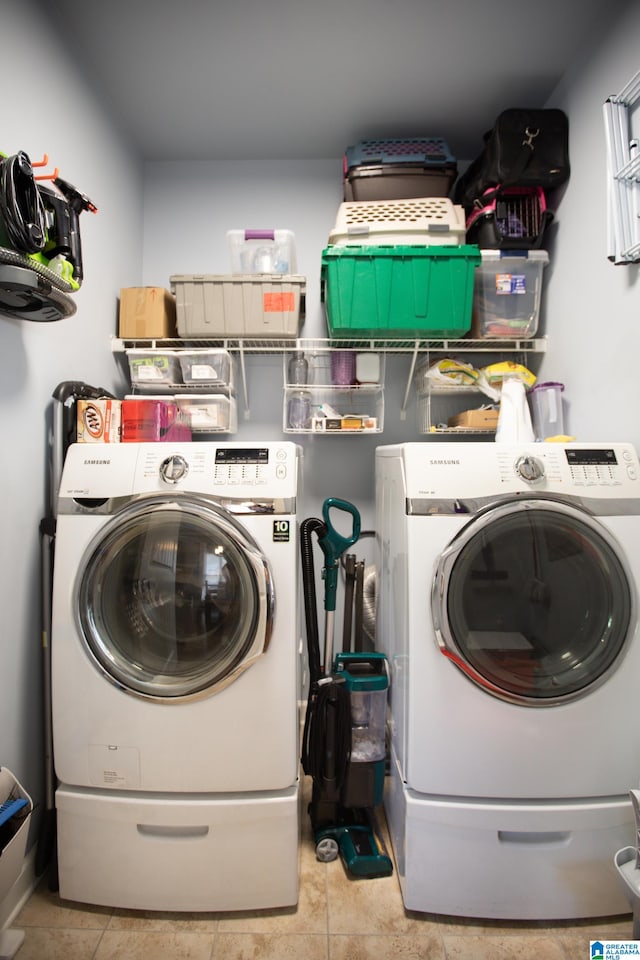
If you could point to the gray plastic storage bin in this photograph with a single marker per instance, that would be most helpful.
(262, 307)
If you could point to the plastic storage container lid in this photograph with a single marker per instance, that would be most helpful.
(540, 256)
(427, 150)
(548, 385)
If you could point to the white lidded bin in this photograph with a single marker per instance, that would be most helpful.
(211, 368)
(506, 294)
(421, 220)
(262, 251)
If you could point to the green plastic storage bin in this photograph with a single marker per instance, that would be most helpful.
(398, 291)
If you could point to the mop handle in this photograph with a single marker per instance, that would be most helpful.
(333, 545)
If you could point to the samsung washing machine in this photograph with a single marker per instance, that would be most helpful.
(507, 606)
(176, 675)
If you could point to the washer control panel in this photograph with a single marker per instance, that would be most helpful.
(269, 469)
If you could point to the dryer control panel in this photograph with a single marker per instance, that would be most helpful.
(467, 471)
(587, 466)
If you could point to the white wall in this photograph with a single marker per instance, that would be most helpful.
(54, 114)
(593, 307)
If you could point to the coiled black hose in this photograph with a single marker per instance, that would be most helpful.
(21, 205)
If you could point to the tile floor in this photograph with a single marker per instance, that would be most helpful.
(337, 918)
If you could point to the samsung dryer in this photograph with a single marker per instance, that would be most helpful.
(507, 578)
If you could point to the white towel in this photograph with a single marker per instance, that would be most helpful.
(514, 419)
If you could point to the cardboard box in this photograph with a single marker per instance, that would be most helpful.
(146, 312)
(475, 419)
(98, 421)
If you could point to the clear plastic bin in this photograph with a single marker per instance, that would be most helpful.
(507, 292)
(262, 251)
(151, 369)
(210, 368)
(209, 413)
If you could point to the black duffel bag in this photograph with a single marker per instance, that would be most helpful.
(525, 148)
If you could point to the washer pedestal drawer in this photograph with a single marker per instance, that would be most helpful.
(175, 853)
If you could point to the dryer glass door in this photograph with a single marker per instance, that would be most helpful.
(533, 602)
(175, 599)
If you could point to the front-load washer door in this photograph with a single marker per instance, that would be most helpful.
(533, 602)
(174, 599)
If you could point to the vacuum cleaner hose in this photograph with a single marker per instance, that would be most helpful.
(369, 605)
(21, 204)
(307, 527)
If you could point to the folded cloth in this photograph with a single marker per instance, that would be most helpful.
(514, 418)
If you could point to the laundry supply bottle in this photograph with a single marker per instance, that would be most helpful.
(298, 370)
(299, 410)
(299, 402)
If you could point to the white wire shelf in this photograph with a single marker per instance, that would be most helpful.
(418, 345)
(411, 347)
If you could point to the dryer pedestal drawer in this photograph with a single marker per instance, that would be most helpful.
(508, 860)
(146, 852)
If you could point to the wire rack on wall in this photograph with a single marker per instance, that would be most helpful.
(623, 174)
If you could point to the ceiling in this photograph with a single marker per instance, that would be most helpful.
(267, 79)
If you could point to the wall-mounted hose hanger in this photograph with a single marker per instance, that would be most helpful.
(40, 251)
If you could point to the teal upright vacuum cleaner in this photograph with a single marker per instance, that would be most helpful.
(344, 735)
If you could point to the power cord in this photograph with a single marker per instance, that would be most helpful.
(21, 204)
